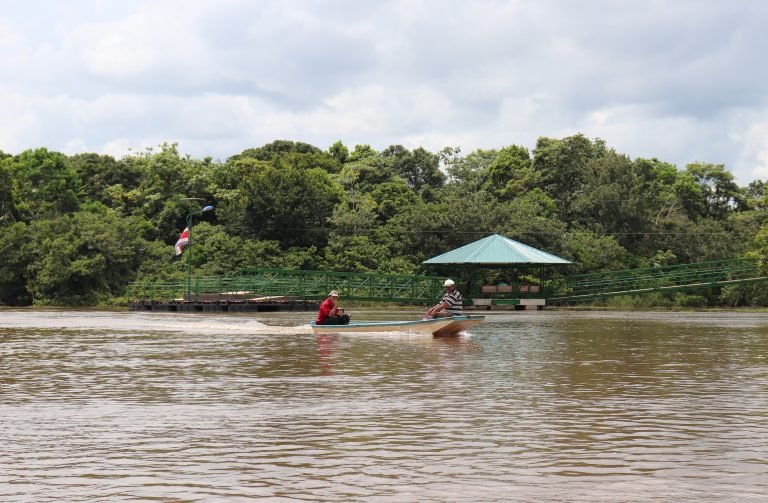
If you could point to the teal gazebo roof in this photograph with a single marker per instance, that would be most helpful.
(496, 250)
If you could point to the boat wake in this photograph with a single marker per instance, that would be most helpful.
(130, 323)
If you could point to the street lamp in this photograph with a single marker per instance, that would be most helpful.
(189, 248)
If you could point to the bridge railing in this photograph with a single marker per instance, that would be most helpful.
(308, 285)
(264, 283)
(590, 286)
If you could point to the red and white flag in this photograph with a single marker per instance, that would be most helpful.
(182, 242)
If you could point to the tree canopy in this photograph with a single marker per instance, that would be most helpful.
(76, 230)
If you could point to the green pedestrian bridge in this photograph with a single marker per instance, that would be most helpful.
(590, 287)
(265, 285)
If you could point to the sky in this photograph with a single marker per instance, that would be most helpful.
(683, 81)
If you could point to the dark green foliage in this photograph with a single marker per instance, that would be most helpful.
(419, 168)
(366, 174)
(339, 152)
(83, 258)
(562, 168)
(76, 230)
(16, 247)
(467, 173)
(101, 173)
(362, 152)
(44, 184)
(271, 150)
(510, 173)
(290, 205)
(592, 253)
(8, 211)
(719, 192)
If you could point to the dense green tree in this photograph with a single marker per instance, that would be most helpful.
(688, 196)
(756, 195)
(510, 173)
(307, 258)
(45, 184)
(760, 248)
(217, 253)
(339, 152)
(8, 212)
(289, 205)
(719, 191)
(468, 173)
(100, 176)
(427, 229)
(16, 246)
(592, 253)
(365, 175)
(320, 160)
(361, 152)
(392, 198)
(618, 198)
(171, 186)
(696, 241)
(356, 214)
(530, 219)
(419, 168)
(83, 258)
(561, 168)
(271, 150)
(355, 253)
(76, 230)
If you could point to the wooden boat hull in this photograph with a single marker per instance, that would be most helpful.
(459, 324)
(439, 327)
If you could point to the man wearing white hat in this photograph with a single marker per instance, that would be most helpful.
(450, 304)
(330, 313)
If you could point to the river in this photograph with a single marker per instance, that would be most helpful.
(542, 406)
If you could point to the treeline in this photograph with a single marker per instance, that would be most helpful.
(75, 230)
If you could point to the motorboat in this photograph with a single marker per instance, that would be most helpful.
(438, 327)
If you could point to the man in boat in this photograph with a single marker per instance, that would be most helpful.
(330, 313)
(450, 304)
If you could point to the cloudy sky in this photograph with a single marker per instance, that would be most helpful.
(683, 81)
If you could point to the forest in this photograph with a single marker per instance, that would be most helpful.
(76, 230)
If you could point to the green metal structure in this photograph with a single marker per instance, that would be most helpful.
(313, 285)
(307, 285)
(589, 287)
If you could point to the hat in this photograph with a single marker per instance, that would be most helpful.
(449, 282)
(333, 293)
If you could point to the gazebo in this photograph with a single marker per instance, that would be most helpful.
(497, 252)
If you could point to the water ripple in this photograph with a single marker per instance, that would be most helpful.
(534, 407)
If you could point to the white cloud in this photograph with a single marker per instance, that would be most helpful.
(631, 128)
(678, 82)
(157, 37)
(761, 170)
(9, 36)
(754, 155)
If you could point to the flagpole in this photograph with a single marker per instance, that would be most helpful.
(189, 257)
(189, 248)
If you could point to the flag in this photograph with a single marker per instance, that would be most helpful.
(182, 242)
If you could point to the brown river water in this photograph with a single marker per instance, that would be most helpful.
(530, 406)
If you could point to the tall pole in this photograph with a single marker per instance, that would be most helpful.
(189, 248)
(189, 258)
